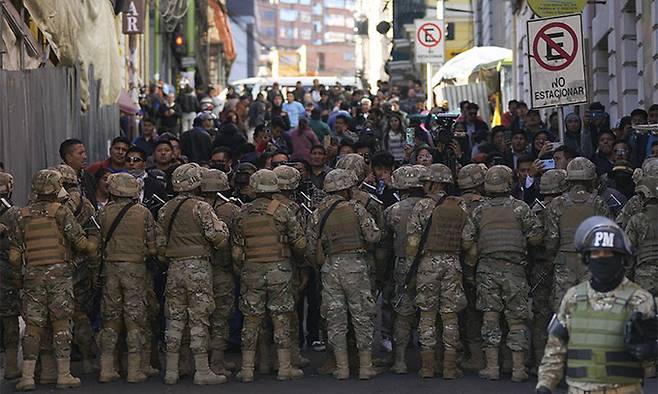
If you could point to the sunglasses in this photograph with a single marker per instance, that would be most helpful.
(134, 159)
(278, 163)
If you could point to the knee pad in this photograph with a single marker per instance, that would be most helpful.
(134, 340)
(11, 332)
(449, 318)
(491, 317)
(32, 341)
(108, 339)
(80, 317)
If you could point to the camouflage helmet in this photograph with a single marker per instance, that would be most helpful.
(46, 182)
(123, 184)
(406, 177)
(649, 169)
(581, 169)
(471, 176)
(213, 180)
(498, 179)
(6, 183)
(69, 177)
(355, 163)
(601, 233)
(553, 182)
(339, 179)
(186, 177)
(288, 176)
(440, 173)
(425, 173)
(264, 181)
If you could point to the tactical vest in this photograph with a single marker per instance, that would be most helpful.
(341, 231)
(4, 239)
(127, 243)
(263, 242)
(472, 201)
(186, 238)
(445, 234)
(404, 212)
(647, 252)
(596, 342)
(225, 213)
(575, 211)
(44, 242)
(500, 230)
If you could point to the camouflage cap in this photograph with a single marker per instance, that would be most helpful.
(6, 183)
(339, 179)
(355, 163)
(471, 176)
(553, 182)
(498, 179)
(186, 177)
(124, 185)
(214, 181)
(424, 171)
(406, 177)
(440, 173)
(69, 177)
(288, 176)
(264, 181)
(581, 169)
(46, 182)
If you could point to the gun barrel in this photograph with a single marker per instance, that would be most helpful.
(93, 220)
(305, 196)
(306, 208)
(5, 203)
(368, 186)
(161, 201)
(223, 197)
(375, 199)
(236, 201)
(537, 201)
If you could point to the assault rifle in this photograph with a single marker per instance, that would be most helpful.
(371, 190)
(233, 200)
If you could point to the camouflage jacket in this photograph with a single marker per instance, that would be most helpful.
(396, 221)
(226, 212)
(633, 206)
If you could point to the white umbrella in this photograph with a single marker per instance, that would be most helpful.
(459, 68)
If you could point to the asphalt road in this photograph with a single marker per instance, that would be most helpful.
(313, 383)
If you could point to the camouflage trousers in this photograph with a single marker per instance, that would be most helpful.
(346, 287)
(223, 287)
(152, 328)
(83, 293)
(439, 290)
(568, 271)
(265, 288)
(47, 299)
(188, 301)
(541, 276)
(646, 275)
(10, 307)
(123, 303)
(502, 288)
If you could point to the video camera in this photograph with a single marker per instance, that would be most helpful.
(441, 126)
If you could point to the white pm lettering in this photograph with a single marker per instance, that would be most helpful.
(604, 239)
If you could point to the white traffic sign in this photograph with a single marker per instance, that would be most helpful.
(429, 42)
(557, 65)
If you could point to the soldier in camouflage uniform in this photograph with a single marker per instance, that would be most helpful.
(125, 250)
(213, 183)
(497, 232)
(586, 336)
(267, 237)
(85, 275)
(636, 203)
(44, 235)
(563, 215)
(9, 282)
(470, 180)
(289, 178)
(552, 184)
(339, 231)
(394, 239)
(188, 233)
(439, 277)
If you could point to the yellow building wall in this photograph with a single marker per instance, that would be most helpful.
(463, 39)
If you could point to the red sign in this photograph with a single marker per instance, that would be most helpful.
(429, 35)
(551, 46)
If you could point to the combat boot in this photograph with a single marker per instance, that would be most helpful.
(135, 374)
(428, 364)
(147, 368)
(400, 365)
(491, 371)
(108, 372)
(366, 370)
(64, 378)
(342, 370)
(203, 374)
(48, 369)
(11, 364)
(475, 361)
(286, 371)
(171, 371)
(27, 376)
(247, 372)
(450, 369)
(519, 373)
(329, 365)
(218, 364)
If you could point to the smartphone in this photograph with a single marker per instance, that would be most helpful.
(549, 164)
(410, 136)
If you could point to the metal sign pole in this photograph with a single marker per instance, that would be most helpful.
(430, 94)
(560, 116)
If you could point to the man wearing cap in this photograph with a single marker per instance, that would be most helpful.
(196, 142)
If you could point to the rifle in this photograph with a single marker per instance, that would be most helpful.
(233, 200)
(541, 204)
(6, 203)
(370, 189)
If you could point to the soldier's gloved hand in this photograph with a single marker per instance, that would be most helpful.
(542, 390)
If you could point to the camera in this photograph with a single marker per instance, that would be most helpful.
(440, 126)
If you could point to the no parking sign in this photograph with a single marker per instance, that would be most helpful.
(557, 65)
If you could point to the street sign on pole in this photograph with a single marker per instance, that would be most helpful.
(548, 8)
(429, 42)
(557, 65)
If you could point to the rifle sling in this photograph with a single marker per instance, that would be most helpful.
(173, 216)
(324, 219)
